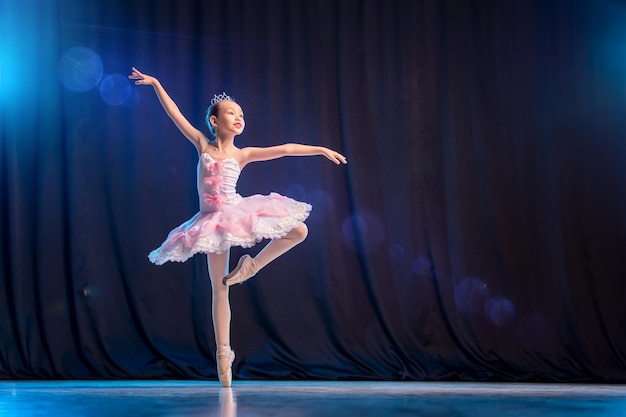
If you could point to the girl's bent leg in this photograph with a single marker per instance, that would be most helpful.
(248, 267)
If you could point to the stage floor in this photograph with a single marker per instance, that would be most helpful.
(310, 398)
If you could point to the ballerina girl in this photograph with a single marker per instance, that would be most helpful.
(226, 218)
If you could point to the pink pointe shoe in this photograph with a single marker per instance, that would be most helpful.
(244, 270)
(224, 358)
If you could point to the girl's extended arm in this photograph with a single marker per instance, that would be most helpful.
(247, 155)
(194, 135)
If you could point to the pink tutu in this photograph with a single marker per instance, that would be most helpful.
(225, 218)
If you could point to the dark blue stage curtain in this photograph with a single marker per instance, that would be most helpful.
(477, 233)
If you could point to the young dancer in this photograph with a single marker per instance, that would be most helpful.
(225, 218)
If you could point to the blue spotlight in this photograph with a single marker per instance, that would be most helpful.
(19, 61)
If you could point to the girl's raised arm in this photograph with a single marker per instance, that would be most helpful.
(194, 135)
(251, 154)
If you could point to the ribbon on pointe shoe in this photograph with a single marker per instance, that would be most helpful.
(224, 358)
(244, 270)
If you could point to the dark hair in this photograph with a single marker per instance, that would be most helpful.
(211, 111)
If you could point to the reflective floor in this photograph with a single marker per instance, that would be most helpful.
(288, 398)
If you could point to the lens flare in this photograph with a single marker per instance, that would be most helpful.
(500, 310)
(115, 89)
(396, 251)
(80, 69)
(296, 191)
(470, 294)
(421, 266)
(322, 205)
(354, 227)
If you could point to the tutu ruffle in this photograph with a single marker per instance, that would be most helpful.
(226, 219)
(255, 218)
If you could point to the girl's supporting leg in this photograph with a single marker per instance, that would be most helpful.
(248, 267)
(218, 266)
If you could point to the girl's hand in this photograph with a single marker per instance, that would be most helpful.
(336, 157)
(142, 79)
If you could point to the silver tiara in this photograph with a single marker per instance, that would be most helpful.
(221, 97)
